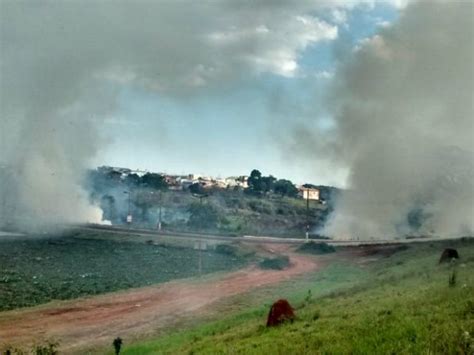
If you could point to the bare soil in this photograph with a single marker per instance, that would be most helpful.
(95, 321)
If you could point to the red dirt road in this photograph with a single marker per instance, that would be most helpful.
(96, 321)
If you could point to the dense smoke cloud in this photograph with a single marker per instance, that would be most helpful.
(403, 109)
(63, 62)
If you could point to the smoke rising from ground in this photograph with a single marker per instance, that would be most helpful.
(404, 116)
(62, 64)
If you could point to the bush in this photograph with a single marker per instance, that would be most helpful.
(49, 349)
(278, 263)
(226, 249)
(203, 216)
(236, 203)
(261, 206)
(316, 248)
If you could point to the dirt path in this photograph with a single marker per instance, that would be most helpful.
(83, 323)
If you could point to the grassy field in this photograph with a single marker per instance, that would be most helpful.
(398, 304)
(39, 270)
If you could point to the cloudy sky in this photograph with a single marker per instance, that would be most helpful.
(217, 88)
(253, 74)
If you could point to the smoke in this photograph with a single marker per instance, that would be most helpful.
(401, 103)
(403, 111)
(63, 64)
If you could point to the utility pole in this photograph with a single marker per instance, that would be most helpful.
(199, 245)
(159, 215)
(307, 215)
(129, 215)
(200, 258)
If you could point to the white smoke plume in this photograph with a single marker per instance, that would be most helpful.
(403, 108)
(62, 63)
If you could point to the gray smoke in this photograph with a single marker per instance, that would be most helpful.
(62, 63)
(403, 106)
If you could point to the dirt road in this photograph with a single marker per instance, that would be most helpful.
(96, 321)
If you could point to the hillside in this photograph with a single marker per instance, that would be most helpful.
(400, 303)
(232, 211)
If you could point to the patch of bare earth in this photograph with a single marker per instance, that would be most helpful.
(96, 321)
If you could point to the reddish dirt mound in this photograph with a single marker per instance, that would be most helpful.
(280, 312)
(448, 255)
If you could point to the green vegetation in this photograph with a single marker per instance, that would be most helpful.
(49, 348)
(279, 262)
(261, 185)
(269, 206)
(36, 271)
(227, 249)
(203, 216)
(402, 303)
(316, 248)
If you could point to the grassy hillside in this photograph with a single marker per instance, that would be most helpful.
(400, 303)
(223, 211)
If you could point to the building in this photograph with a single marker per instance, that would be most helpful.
(240, 181)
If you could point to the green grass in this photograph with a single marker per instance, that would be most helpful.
(36, 271)
(399, 304)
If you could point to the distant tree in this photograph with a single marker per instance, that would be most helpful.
(267, 183)
(154, 181)
(255, 181)
(132, 180)
(285, 188)
(113, 175)
(144, 199)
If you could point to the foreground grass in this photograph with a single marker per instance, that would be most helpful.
(398, 304)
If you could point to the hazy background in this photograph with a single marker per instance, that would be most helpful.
(372, 96)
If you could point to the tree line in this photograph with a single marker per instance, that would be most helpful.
(262, 185)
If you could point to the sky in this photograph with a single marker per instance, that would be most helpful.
(244, 124)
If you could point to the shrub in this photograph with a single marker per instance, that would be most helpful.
(203, 215)
(316, 248)
(226, 249)
(277, 263)
(236, 203)
(49, 349)
(261, 206)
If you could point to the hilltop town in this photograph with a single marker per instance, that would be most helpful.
(247, 204)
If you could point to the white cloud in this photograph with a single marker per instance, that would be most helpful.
(324, 74)
(273, 47)
(339, 16)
